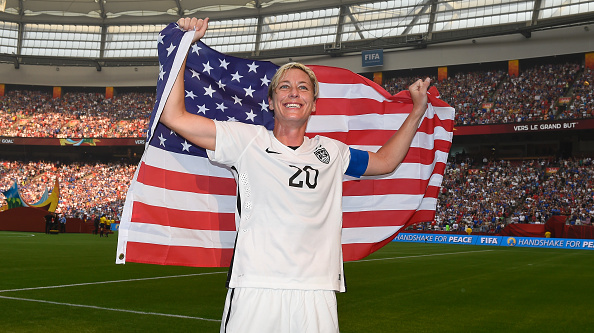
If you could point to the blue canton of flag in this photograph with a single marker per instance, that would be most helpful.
(217, 86)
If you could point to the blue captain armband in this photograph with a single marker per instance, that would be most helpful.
(358, 163)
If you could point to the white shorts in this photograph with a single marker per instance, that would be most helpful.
(260, 310)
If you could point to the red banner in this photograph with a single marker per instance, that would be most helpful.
(590, 60)
(514, 68)
(566, 125)
(57, 92)
(2, 86)
(442, 73)
(108, 92)
(488, 106)
(378, 77)
(523, 230)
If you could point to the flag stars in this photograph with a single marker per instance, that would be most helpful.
(249, 92)
(186, 146)
(251, 116)
(253, 67)
(162, 140)
(170, 49)
(224, 63)
(207, 67)
(190, 94)
(221, 106)
(196, 49)
(195, 74)
(160, 39)
(209, 90)
(231, 119)
(221, 85)
(264, 105)
(236, 77)
(265, 81)
(161, 72)
(202, 108)
(236, 100)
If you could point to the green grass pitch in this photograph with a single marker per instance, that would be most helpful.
(70, 283)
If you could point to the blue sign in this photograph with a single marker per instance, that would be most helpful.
(551, 243)
(372, 58)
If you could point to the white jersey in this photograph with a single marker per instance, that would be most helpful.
(289, 218)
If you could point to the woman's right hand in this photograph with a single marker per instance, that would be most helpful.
(191, 23)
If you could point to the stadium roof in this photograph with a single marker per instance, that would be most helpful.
(124, 31)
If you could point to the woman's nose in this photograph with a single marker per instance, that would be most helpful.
(294, 92)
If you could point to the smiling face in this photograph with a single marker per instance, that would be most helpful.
(293, 98)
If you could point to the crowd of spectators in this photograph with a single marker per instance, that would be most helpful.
(86, 189)
(582, 105)
(395, 85)
(487, 195)
(471, 94)
(33, 113)
(538, 93)
(566, 189)
(534, 94)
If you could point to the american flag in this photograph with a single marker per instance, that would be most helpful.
(180, 207)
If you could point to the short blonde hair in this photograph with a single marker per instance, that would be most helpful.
(285, 68)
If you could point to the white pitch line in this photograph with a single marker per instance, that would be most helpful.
(423, 255)
(167, 277)
(105, 282)
(16, 235)
(198, 274)
(109, 309)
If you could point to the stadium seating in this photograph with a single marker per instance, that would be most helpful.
(540, 92)
(32, 113)
(482, 195)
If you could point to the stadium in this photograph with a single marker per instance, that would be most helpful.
(78, 84)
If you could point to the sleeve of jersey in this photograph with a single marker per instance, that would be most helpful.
(231, 140)
(358, 163)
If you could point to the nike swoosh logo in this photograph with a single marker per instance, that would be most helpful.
(271, 151)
